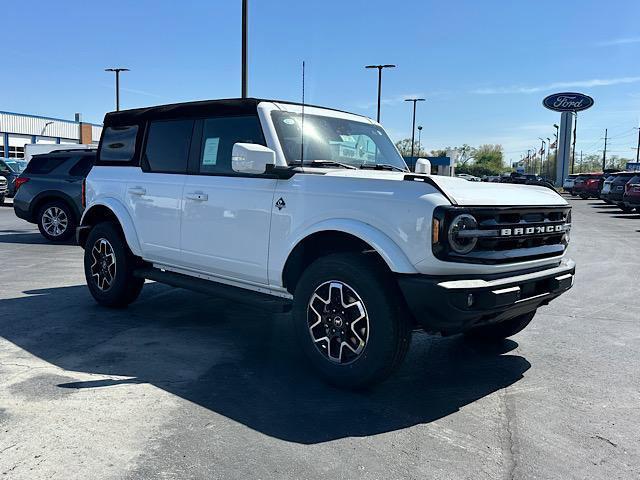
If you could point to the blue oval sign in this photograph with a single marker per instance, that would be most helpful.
(568, 102)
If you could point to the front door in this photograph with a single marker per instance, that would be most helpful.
(226, 217)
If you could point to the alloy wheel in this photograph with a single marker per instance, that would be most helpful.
(103, 269)
(55, 221)
(338, 322)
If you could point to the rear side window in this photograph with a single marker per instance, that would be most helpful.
(42, 165)
(118, 144)
(167, 147)
(82, 167)
(218, 137)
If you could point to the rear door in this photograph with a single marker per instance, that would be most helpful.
(154, 191)
(226, 216)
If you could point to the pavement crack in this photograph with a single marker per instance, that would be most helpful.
(511, 437)
(604, 439)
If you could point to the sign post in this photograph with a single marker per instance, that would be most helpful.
(568, 104)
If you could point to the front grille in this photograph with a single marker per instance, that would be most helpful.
(510, 234)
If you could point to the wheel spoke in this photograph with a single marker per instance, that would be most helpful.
(103, 268)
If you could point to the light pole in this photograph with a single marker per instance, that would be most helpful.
(541, 153)
(245, 39)
(117, 72)
(419, 139)
(379, 67)
(413, 125)
(548, 150)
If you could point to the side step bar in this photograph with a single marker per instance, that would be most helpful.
(220, 290)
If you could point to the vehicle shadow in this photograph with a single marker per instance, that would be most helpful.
(243, 363)
(31, 238)
(633, 216)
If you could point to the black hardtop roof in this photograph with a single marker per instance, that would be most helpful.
(221, 107)
(67, 151)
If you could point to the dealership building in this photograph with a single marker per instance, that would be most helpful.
(17, 130)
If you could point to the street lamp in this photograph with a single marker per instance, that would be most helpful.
(117, 72)
(379, 67)
(419, 139)
(548, 150)
(413, 125)
(541, 153)
(245, 57)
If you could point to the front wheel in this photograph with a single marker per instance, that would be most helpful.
(350, 321)
(626, 209)
(502, 330)
(109, 266)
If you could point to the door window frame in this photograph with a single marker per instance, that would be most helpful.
(197, 148)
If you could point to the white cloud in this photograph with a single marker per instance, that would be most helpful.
(596, 82)
(618, 41)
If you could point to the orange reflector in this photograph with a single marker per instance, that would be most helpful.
(435, 231)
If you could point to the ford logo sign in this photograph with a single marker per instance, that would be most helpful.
(568, 102)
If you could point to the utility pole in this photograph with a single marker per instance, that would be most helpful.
(413, 126)
(117, 72)
(527, 167)
(580, 161)
(379, 67)
(419, 139)
(604, 152)
(245, 60)
(638, 149)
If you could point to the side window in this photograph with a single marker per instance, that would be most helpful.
(218, 137)
(42, 164)
(167, 147)
(82, 167)
(118, 144)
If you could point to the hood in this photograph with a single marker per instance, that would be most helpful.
(466, 193)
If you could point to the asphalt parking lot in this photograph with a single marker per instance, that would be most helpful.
(180, 385)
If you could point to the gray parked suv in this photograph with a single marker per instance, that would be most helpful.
(49, 191)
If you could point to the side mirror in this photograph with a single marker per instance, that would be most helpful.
(251, 158)
(423, 166)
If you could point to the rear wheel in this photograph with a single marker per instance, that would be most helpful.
(502, 330)
(56, 221)
(584, 196)
(350, 321)
(109, 266)
(626, 209)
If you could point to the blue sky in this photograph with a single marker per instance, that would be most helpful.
(484, 66)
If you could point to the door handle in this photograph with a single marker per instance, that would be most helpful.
(198, 196)
(137, 191)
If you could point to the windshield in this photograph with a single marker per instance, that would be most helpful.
(16, 166)
(331, 139)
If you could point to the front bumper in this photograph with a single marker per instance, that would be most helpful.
(452, 305)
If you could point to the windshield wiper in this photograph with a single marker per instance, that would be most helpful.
(381, 166)
(324, 163)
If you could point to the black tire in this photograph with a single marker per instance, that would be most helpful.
(626, 209)
(583, 196)
(123, 288)
(1, 199)
(502, 330)
(388, 328)
(66, 226)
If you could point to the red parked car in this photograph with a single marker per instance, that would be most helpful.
(588, 185)
(631, 197)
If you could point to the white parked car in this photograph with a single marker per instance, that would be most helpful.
(237, 198)
(567, 184)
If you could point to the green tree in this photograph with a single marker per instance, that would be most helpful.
(404, 146)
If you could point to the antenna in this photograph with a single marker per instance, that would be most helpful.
(302, 120)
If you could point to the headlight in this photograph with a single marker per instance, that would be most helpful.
(459, 242)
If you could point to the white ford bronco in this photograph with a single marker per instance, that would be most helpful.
(312, 209)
